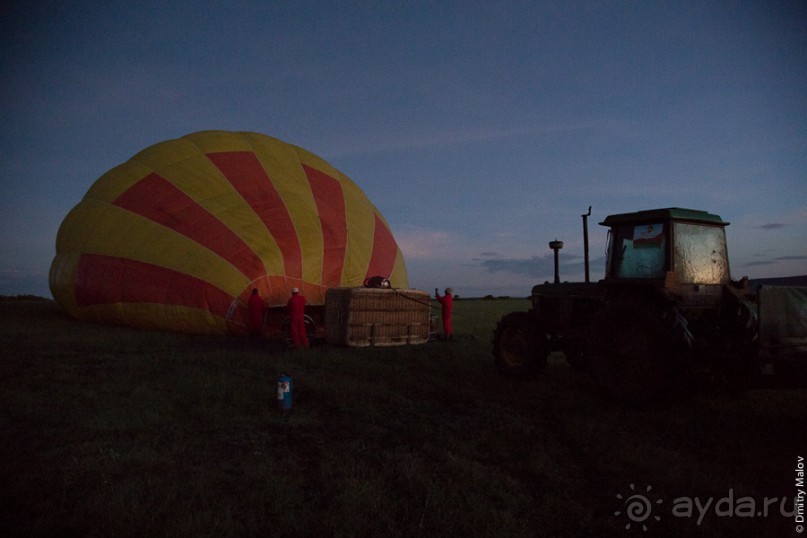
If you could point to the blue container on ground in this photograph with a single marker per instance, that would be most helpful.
(284, 392)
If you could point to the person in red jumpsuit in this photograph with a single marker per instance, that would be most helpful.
(447, 304)
(296, 305)
(255, 306)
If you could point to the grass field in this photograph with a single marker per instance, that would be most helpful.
(108, 431)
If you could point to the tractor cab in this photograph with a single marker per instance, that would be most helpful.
(682, 250)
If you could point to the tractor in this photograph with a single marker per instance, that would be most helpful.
(666, 315)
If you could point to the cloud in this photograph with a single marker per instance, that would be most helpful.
(14, 282)
(771, 226)
(534, 267)
(424, 244)
(447, 137)
(539, 266)
(774, 260)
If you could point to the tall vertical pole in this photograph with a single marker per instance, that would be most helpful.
(585, 240)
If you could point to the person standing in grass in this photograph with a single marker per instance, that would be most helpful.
(255, 306)
(296, 305)
(447, 303)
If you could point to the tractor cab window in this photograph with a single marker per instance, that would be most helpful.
(701, 256)
(637, 251)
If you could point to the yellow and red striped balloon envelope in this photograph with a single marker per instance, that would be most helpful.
(178, 236)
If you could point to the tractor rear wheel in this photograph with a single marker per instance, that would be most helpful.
(637, 348)
(518, 351)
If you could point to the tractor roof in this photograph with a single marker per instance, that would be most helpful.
(669, 213)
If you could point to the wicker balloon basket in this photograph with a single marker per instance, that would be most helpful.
(361, 317)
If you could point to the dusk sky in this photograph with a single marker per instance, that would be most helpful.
(481, 130)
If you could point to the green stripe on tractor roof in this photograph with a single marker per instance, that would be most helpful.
(669, 213)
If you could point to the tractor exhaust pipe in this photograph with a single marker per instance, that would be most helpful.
(585, 241)
(556, 246)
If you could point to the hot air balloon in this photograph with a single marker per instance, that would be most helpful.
(177, 237)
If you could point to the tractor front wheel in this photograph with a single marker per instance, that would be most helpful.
(518, 351)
